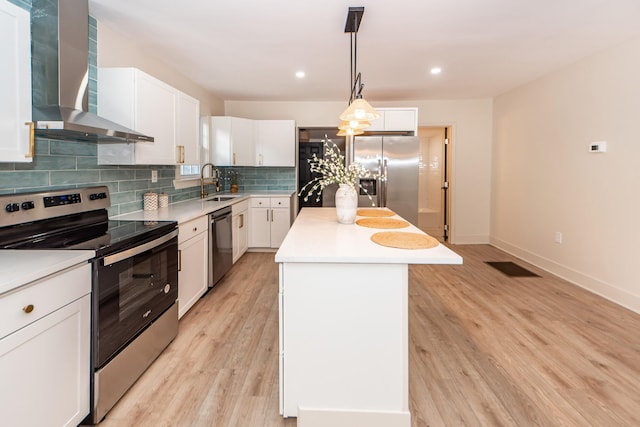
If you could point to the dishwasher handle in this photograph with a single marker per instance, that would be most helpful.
(219, 214)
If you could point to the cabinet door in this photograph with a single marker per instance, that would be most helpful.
(15, 83)
(188, 130)
(395, 119)
(260, 227)
(192, 271)
(243, 142)
(377, 124)
(401, 120)
(243, 234)
(47, 365)
(235, 236)
(155, 113)
(276, 143)
(280, 224)
(221, 152)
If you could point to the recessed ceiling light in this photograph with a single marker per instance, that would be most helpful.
(299, 74)
(436, 70)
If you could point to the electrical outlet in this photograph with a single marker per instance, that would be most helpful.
(154, 176)
(558, 237)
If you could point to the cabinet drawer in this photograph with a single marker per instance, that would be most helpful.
(191, 228)
(260, 202)
(279, 202)
(42, 297)
(242, 206)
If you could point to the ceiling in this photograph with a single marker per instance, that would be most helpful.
(251, 49)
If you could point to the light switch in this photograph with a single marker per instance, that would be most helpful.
(598, 147)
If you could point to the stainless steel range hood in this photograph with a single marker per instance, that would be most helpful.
(60, 67)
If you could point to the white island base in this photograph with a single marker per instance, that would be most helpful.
(344, 338)
(345, 358)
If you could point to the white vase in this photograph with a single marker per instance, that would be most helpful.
(346, 203)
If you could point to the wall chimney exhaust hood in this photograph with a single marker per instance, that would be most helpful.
(60, 76)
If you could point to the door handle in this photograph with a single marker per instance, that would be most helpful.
(379, 184)
(179, 259)
(384, 185)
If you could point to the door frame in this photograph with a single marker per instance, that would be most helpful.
(449, 204)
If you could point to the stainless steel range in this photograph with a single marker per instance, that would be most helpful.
(135, 278)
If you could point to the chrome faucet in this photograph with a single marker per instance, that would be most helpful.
(215, 179)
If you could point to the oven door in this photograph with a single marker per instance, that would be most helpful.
(133, 288)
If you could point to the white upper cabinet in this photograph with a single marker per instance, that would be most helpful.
(141, 102)
(276, 143)
(395, 119)
(233, 141)
(15, 84)
(244, 142)
(187, 130)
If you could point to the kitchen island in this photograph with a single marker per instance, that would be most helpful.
(344, 341)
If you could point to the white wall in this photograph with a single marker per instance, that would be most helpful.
(545, 181)
(471, 122)
(115, 50)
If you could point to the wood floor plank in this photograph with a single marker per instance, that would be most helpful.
(485, 350)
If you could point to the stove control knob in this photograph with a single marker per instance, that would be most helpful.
(12, 207)
(97, 196)
(27, 205)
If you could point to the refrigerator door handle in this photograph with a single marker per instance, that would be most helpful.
(384, 185)
(379, 184)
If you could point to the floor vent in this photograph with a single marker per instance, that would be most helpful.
(511, 269)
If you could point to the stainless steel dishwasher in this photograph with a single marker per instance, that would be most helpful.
(220, 244)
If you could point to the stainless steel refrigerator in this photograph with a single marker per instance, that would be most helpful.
(397, 158)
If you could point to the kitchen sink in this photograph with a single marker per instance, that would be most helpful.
(221, 198)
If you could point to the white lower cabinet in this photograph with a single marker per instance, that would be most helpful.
(240, 225)
(270, 220)
(193, 247)
(44, 350)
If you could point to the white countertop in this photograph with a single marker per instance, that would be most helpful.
(194, 208)
(317, 237)
(22, 266)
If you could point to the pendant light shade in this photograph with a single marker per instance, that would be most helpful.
(354, 124)
(350, 132)
(360, 110)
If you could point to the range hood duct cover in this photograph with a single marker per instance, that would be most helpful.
(60, 76)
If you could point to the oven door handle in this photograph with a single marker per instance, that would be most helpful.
(120, 256)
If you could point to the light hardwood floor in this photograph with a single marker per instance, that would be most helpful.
(485, 350)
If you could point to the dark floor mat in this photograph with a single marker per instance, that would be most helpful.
(511, 269)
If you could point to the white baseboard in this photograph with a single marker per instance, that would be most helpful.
(470, 239)
(340, 418)
(605, 290)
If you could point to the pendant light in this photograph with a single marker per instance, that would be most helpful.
(354, 124)
(349, 132)
(359, 110)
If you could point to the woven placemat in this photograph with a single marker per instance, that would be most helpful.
(382, 223)
(403, 240)
(375, 212)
